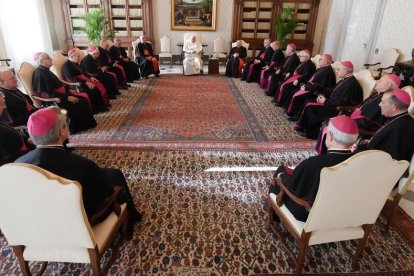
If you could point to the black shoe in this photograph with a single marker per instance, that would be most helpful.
(292, 119)
(157, 75)
(243, 79)
(301, 133)
(298, 128)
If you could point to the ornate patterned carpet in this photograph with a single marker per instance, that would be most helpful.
(201, 112)
(214, 223)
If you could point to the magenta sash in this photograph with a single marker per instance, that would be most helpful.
(289, 80)
(297, 94)
(99, 86)
(356, 114)
(262, 56)
(269, 82)
(263, 79)
(303, 111)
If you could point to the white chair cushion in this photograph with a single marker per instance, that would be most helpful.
(102, 230)
(165, 55)
(69, 255)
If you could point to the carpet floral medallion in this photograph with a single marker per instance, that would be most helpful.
(214, 223)
(193, 112)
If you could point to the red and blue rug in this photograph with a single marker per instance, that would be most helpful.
(193, 112)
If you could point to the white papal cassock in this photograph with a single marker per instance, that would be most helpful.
(192, 61)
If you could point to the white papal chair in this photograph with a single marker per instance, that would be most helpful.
(218, 50)
(349, 200)
(43, 219)
(165, 53)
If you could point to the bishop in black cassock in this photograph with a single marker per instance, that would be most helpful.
(47, 85)
(323, 80)
(276, 62)
(302, 74)
(304, 180)
(288, 68)
(120, 56)
(397, 135)
(347, 92)
(236, 60)
(251, 70)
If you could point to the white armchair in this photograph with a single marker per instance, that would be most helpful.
(43, 219)
(218, 50)
(349, 200)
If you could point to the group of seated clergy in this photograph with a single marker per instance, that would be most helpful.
(99, 76)
(394, 137)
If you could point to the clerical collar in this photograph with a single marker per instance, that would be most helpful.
(50, 147)
(340, 151)
(390, 119)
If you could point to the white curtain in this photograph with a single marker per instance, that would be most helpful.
(24, 29)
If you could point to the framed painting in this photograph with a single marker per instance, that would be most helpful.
(197, 15)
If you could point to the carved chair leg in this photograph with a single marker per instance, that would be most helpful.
(391, 216)
(24, 265)
(303, 246)
(95, 263)
(361, 245)
(271, 212)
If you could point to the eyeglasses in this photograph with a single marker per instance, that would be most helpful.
(10, 79)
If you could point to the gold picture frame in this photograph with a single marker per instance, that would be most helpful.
(193, 15)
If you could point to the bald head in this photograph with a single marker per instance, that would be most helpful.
(8, 79)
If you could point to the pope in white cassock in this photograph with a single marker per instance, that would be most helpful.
(192, 61)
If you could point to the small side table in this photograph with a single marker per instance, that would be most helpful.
(213, 66)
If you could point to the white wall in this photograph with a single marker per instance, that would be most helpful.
(353, 23)
(161, 10)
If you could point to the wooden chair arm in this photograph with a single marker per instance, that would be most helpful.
(283, 190)
(7, 60)
(345, 109)
(368, 65)
(385, 68)
(365, 133)
(74, 85)
(47, 100)
(110, 203)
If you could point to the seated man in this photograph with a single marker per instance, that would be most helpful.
(347, 92)
(303, 181)
(236, 60)
(288, 68)
(120, 56)
(368, 114)
(323, 80)
(397, 135)
(91, 68)
(106, 62)
(19, 105)
(48, 129)
(72, 72)
(192, 62)
(251, 70)
(47, 85)
(13, 143)
(144, 56)
(302, 74)
(276, 62)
